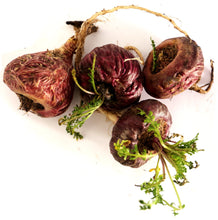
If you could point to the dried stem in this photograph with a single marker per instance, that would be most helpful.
(200, 89)
(76, 24)
(112, 116)
(137, 51)
(93, 19)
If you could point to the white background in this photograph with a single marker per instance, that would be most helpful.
(44, 173)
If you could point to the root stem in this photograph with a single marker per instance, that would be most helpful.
(93, 19)
(200, 89)
(137, 51)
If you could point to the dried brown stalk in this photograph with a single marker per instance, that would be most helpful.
(93, 19)
(200, 89)
(87, 28)
(137, 51)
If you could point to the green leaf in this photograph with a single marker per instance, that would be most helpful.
(174, 152)
(79, 115)
(123, 150)
(82, 112)
(92, 75)
(154, 55)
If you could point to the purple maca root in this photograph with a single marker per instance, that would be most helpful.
(42, 80)
(131, 126)
(117, 76)
(172, 67)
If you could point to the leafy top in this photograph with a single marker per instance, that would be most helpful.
(82, 112)
(154, 64)
(173, 152)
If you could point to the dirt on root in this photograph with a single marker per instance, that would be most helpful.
(164, 56)
(27, 104)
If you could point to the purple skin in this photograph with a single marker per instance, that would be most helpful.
(180, 74)
(117, 79)
(131, 126)
(43, 79)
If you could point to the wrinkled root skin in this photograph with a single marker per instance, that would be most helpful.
(120, 79)
(130, 126)
(184, 71)
(43, 78)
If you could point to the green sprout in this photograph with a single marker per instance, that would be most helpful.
(173, 152)
(154, 55)
(82, 112)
